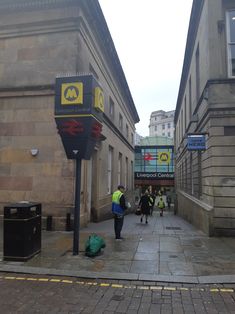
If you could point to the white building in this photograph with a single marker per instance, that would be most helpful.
(162, 123)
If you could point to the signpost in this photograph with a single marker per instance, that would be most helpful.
(79, 107)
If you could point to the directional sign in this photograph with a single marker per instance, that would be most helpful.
(196, 142)
(79, 107)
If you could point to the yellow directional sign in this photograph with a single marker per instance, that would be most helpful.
(72, 93)
(164, 157)
(99, 99)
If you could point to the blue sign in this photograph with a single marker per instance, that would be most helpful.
(196, 142)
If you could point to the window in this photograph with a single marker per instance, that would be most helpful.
(190, 97)
(110, 170)
(154, 159)
(163, 126)
(120, 122)
(132, 175)
(185, 113)
(197, 74)
(169, 125)
(127, 131)
(169, 134)
(119, 174)
(132, 139)
(111, 108)
(231, 42)
(126, 174)
(155, 127)
(163, 134)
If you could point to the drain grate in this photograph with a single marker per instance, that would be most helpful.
(173, 228)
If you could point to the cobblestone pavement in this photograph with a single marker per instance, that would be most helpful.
(20, 293)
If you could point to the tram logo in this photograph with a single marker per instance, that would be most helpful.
(99, 99)
(164, 157)
(72, 93)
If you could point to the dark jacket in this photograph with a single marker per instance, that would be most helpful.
(144, 204)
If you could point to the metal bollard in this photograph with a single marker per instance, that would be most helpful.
(49, 223)
(68, 222)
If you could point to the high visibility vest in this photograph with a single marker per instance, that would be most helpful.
(150, 201)
(116, 208)
(161, 204)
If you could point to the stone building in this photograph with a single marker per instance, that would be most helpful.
(162, 123)
(39, 40)
(206, 105)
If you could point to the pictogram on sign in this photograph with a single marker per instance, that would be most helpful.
(72, 93)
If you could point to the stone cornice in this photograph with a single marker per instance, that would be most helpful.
(27, 4)
(40, 27)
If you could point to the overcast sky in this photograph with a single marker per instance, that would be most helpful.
(150, 38)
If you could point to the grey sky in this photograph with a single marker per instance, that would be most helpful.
(150, 38)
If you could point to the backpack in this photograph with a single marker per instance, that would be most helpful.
(93, 245)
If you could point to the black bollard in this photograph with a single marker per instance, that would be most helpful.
(49, 223)
(68, 222)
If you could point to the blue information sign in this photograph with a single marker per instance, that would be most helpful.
(196, 142)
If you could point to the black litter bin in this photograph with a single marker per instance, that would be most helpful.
(22, 231)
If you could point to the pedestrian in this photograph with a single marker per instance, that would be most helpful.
(161, 206)
(152, 202)
(168, 200)
(144, 205)
(118, 210)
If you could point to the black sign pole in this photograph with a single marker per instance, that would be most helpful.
(77, 207)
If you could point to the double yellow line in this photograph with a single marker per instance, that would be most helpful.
(119, 286)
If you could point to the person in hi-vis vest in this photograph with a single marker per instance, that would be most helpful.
(118, 209)
(161, 206)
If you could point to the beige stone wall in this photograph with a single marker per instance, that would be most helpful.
(37, 44)
(27, 122)
(206, 184)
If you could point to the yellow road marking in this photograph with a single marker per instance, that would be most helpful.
(105, 284)
(129, 287)
(143, 287)
(91, 283)
(116, 286)
(67, 281)
(155, 288)
(170, 288)
(226, 290)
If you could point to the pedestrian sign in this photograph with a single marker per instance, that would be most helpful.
(196, 142)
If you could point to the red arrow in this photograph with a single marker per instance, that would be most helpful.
(148, 157)
(71, 127)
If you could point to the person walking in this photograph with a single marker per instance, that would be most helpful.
(161, 206)
(144, 205)
(118, 209)
(152, 202)
(168, 200)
